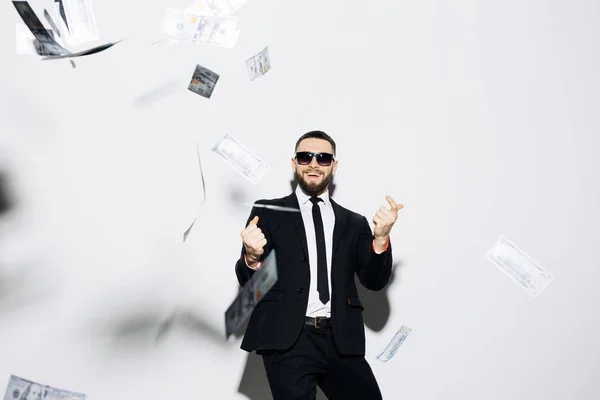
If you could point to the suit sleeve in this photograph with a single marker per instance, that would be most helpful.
(373, 270)
(242, 271)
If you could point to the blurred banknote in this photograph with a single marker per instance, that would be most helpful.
(249, 165)
(19, 388)
(81, 21)
(393, 346)
(215, 7)
(46, 44)
(60, 21)
(27, 44)
(187, 232)
(272, 207)
(216, 30)
(86, 52)
(254, 290)
(519, 267)
(59, 7)
(259, 64)
(203, 81)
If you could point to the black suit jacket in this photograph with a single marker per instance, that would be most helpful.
(277, 319)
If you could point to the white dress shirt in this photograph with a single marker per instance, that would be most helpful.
(315, 307)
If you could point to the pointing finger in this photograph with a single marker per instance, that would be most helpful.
(391, 201)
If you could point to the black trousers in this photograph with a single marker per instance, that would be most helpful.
(314, 360)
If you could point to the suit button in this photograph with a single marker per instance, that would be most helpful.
(300, 290)
(303, 259)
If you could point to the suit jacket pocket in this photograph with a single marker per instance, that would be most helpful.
(354, 301)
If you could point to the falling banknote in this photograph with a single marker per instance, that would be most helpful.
(81, 21)
(187, 232)
(216, 30)
(519, 267)
(19, 388)
(26, 43)
(259, 64)
(215, 7)
(254, 290)
(393, 346)
(272, 207)
(203, 81)
(239, 157)
(47, 42)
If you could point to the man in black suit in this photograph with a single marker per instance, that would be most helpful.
(309, 327)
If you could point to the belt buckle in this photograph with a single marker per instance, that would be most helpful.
(316, 318)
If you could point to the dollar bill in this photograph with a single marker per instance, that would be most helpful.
(81, 21)
(203, 81)
(87, 52)
(57, 29)
(53, 26)
(394, 344)
(45, 42)
(249, 165)
(259, 64)
(215, 7)
(216, 30)
(19, 388)
(272, 207)
(519, 267)
(254, 290)
(61, 25)
(187, 232)
(59, 7)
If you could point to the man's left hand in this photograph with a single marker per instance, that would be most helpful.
(384, 219)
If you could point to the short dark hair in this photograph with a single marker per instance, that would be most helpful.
(316, 135)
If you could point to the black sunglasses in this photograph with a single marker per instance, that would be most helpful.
(305, 158)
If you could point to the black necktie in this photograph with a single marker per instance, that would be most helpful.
(322, 284)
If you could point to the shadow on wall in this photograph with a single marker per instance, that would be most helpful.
(254, 383)
(22, 283)
(377, 309)
(156, 94)
(6, 202)
(136, 330)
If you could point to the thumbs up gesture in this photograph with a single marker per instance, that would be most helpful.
(384, 219)
(254, 241)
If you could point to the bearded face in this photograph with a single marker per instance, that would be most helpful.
(313, 182)
(314, 178)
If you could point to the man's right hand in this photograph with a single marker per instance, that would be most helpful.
(254, 241)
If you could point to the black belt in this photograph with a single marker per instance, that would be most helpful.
(318, 322)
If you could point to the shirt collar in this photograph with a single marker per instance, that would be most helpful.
(303, 198)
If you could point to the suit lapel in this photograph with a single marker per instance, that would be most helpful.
(292, 201)
(341, 216)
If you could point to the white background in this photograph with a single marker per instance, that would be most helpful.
(480, 117)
